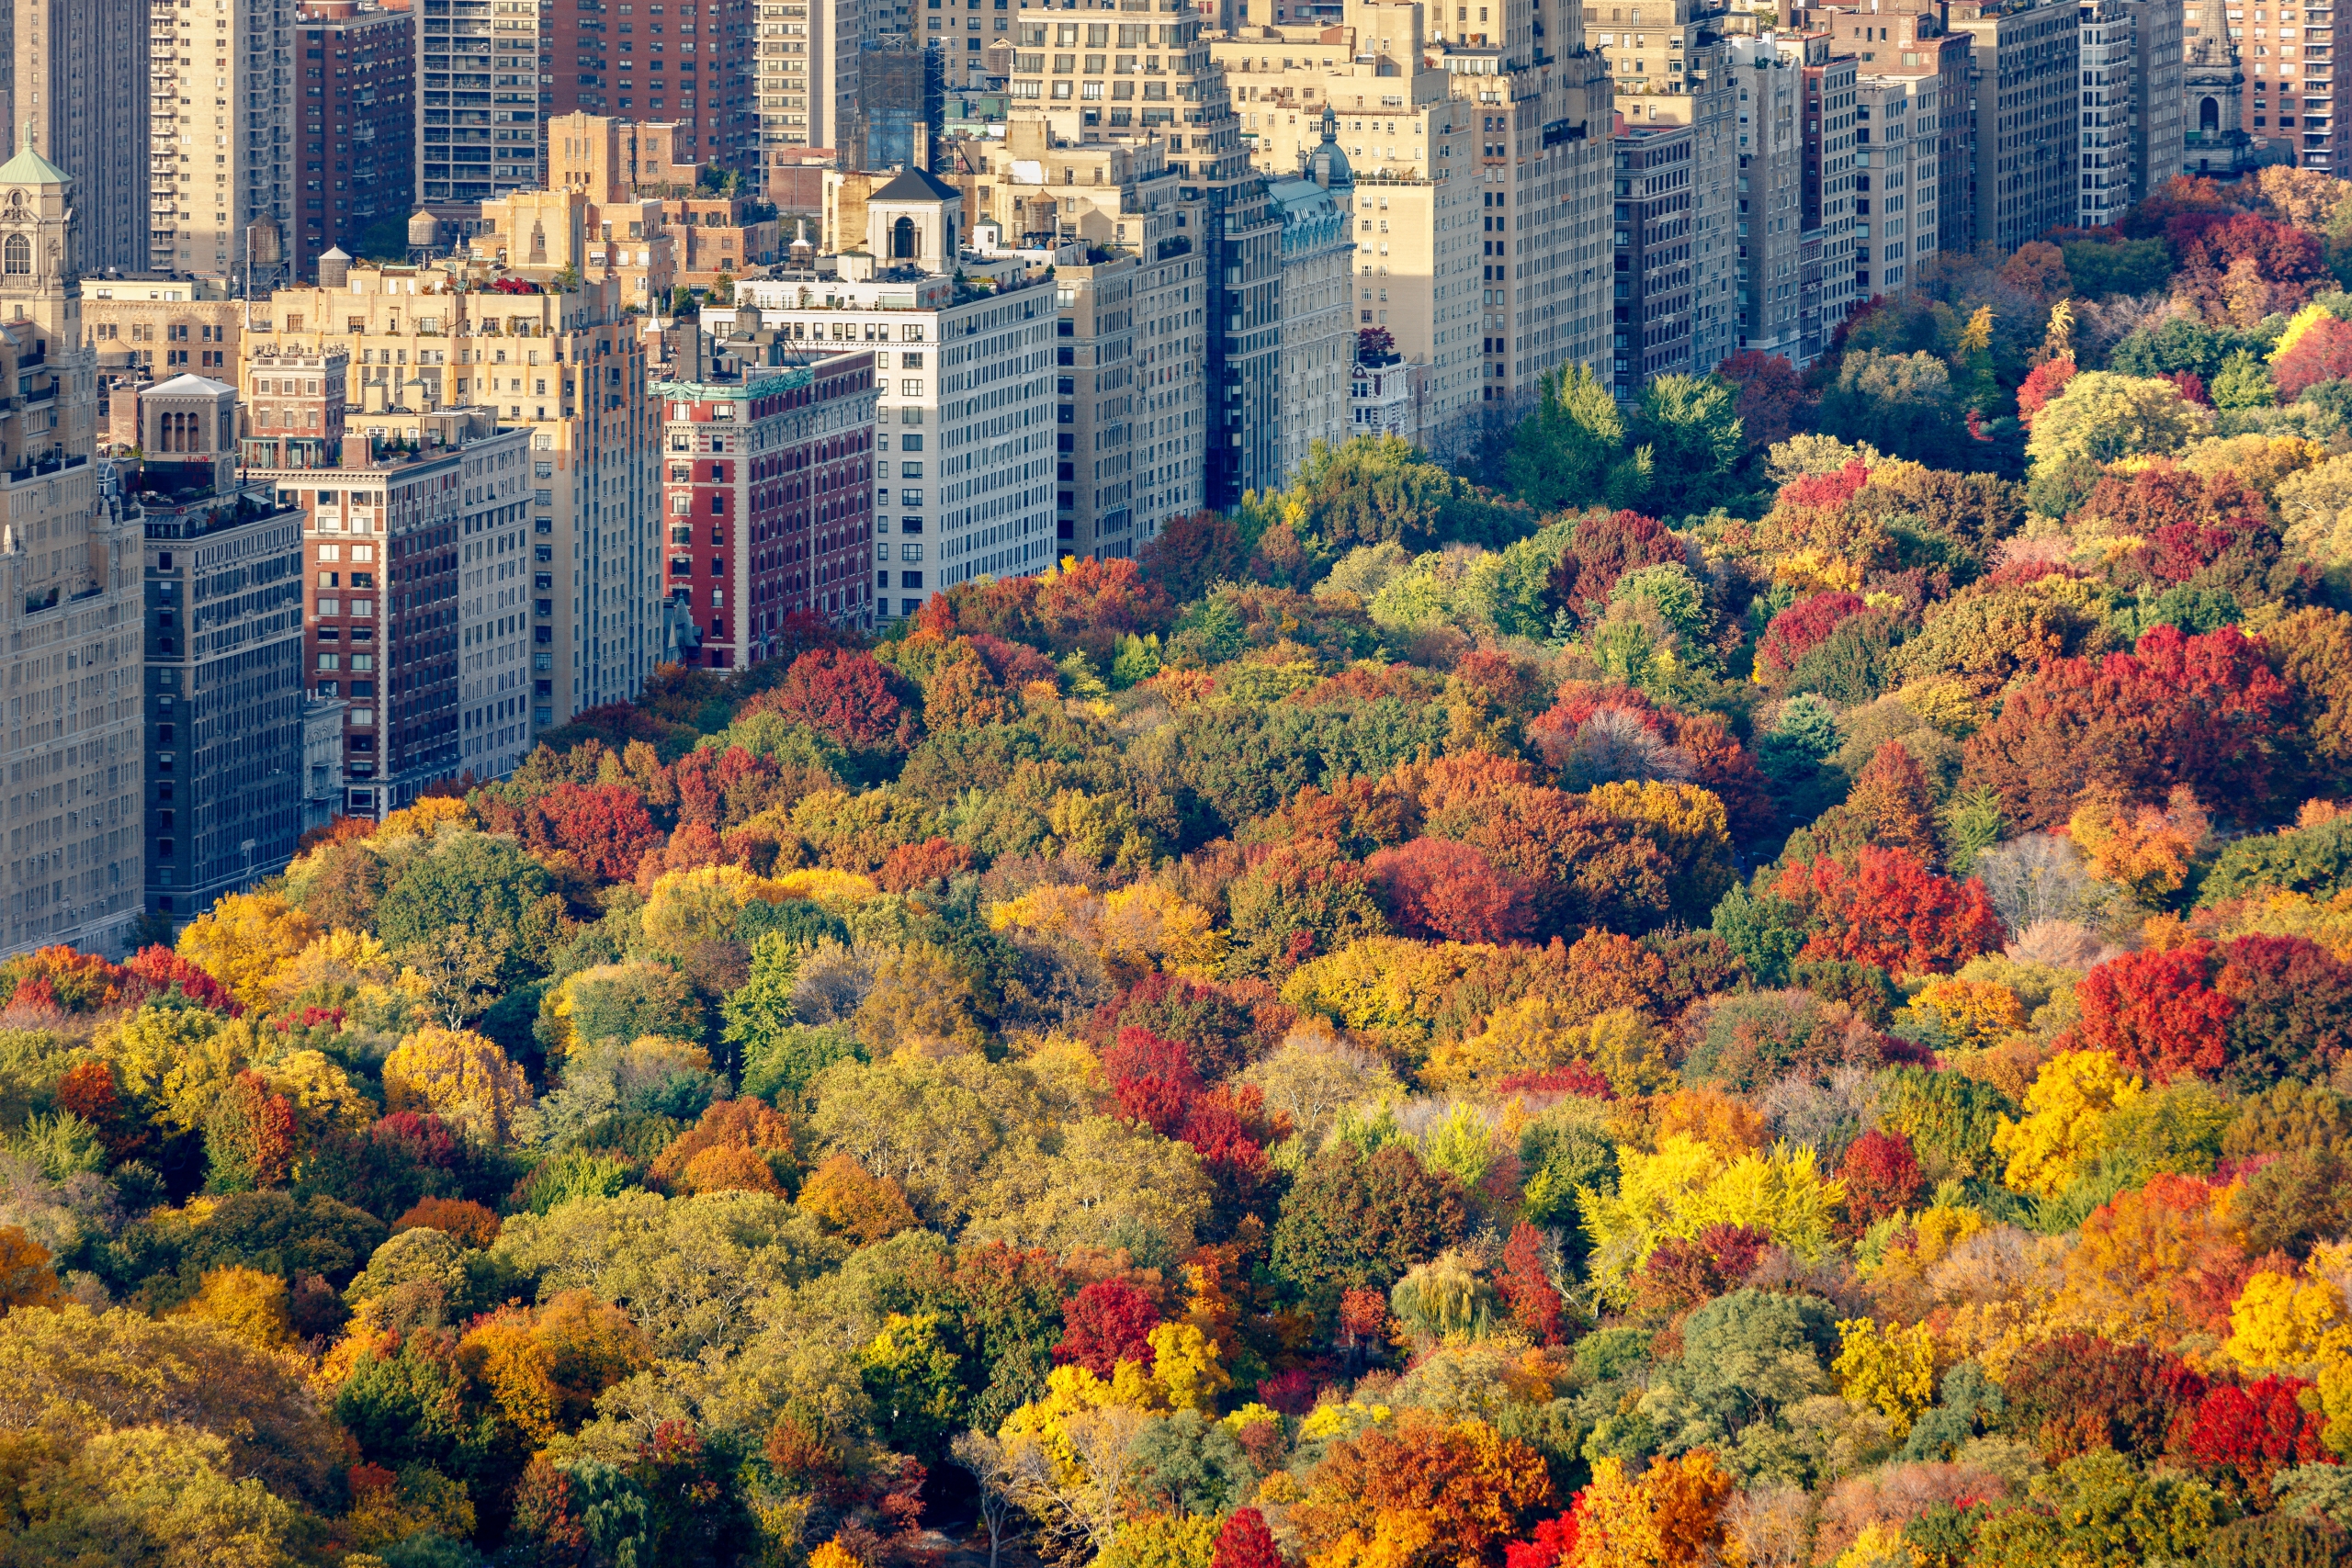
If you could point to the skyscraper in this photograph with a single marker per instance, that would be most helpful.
(2026, 87)
(354, 131)
(69, 601)
(221, 168)
(75, 73)
(479, 105)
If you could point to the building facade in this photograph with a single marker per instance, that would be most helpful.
(1319, 334)
(355, 126)
(75, 73)
(494, 577)
(155, 328)
(562, 363)
(479, 110)
(220, 171)
(1897, 177)
(223, 649)
(965, 447)
(2027, 95)
(769, 485)
(2159, 92)
(807, 80)
(1656, 177)
(69, 601)
(690, 64)
(1830, 75)
(1771, 197)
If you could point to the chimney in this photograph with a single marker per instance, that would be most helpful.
(359, 452)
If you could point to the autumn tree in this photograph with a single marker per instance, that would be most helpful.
(2157, 1013)
(458, 1075)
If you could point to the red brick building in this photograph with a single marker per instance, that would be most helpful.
(355, 124)
(687, 61)
(768, 500)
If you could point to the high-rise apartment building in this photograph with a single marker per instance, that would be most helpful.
(1829, 76)
(355, 126)
(479, 107)
(74, 74)
(1132, 325)
(1112, 75)
(1772, 194)
(2104, 38)
(1898, 174)
(560, 363)
(1909, 41)
(960, 36)
(1319, 334)
(221, 142)
(223, 649)
(807, 71)
(689, 65)
(2159, 100)
(1671, 64)
(69, 601)
(1656, 173)
(1426, 227)
(2025, 86)
(769, 484)
(964, 359)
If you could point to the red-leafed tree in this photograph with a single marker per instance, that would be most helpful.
(1152, 1080)
(1802, 627)
(1245, 1541)
(1525, 1285)
(1889, 910)
(162, 969)
(1771, 394)
(1881, 1176)
(2206, 711)
(1107, 1321)
(2076, 1391)
(1438, 889)
(2157, 1013)
(1606, 546)
(1552, 1543)
(1678, 1275)
(2322, 354)
(1227, 1127)
(844, 695)
(2043, 382)
(918, 865)
(89, 1091)
(2293, 1009)
(2192, 387)
(2244, 1436)
(604, 828)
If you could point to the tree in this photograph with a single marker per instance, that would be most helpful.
(738, 1146)
(1524, 1282)
(2075, 1392)
(459, 1076)
(846, 1200)
(1441, 890)
(2157, 1013)
(994, 1477)
(1191, 554)
(26, 1277)
(1296, 900)
(461, 969)
(481, 884)
(1904, 404)
(1244, 1541)
(2291, 1010)
(242, 939)
(2202, 711)
(1770, 396)
(2106, 417)
(1881, 1177)
(2063, 1131)
(2043, 382)
(1422, 1477)
(1605, 548)
(2243, 1438)
(1353, 1220)
(2096, 1511)
(1892, 801)
(843, 694)
(1570, 452)
(1890, 910)
(1672, 1517)
(1690, 428)
(1890, 1367)
(1108, 1322)
(2322, 352)
(1803, 627)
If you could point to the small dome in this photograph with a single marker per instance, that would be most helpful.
(1327, 166)
(423, 228)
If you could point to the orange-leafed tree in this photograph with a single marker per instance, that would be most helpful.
(1462, 1486)
(1890, 910)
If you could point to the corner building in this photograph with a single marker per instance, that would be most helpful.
(768, 500)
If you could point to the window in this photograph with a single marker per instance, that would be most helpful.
(19, 257)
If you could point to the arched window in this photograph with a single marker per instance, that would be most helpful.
(19, 261)
(2209, 116)
(903, 240)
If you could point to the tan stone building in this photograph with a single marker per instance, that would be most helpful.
(153, 327)
(76, 72)
(545, 353)
(70, 709)
(1423, 267)
(222, 137)
(644, 204)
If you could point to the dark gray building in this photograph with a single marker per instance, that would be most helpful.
(223, 614)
